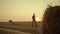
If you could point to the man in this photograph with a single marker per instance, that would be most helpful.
(33, 20)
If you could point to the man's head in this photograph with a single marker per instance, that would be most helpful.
(33, 13)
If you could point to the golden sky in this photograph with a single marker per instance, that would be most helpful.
(22, 10)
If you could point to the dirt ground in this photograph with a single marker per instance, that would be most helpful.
(20, 28)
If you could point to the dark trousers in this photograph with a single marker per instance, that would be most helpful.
(34, 23)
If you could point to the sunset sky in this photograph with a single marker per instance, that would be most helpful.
(22, 10)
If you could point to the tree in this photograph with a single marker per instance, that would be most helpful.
(51, 20)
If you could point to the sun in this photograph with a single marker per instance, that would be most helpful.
(37, 19)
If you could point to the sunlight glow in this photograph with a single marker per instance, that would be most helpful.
(37, 19)
(22, 10)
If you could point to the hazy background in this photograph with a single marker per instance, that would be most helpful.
(22, 10)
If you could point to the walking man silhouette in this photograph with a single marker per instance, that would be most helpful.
(33, 20)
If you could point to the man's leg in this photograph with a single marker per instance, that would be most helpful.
(32, 24)
(36, 24)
